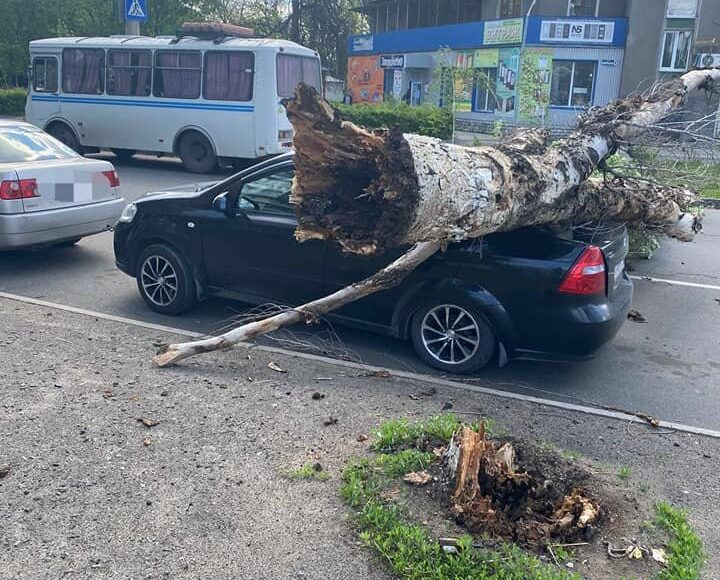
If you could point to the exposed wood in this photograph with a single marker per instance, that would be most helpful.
(388, 277)
(371, 191)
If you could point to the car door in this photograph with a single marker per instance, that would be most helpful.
(251, 249)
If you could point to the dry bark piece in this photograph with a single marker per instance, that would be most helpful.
(4, 470)
(273, 366)
(147, 441)
(417, 478)
(148, 422)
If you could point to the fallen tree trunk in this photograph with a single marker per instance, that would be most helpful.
(371, 191)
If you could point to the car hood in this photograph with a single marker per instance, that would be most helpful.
(179, 192)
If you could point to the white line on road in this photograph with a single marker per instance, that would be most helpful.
(372, 368)
(676, 282)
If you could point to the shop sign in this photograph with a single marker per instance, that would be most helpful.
(362, 43)
(608, 62)
(534, 85)
(486, 58)
(503, 31)
(392, 61)
(577, 31)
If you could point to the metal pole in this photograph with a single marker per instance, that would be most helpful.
(522, 53)
(132, 28)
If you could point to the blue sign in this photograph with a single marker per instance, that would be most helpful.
(136, 10)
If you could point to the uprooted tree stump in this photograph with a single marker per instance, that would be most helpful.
(492, 495)
(373, 191)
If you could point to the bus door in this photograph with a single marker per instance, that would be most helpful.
(45, 103)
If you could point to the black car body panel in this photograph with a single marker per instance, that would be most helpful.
(511, 278)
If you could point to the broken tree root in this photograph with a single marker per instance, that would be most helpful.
(493, 495)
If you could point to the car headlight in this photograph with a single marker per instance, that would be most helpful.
(128, 214)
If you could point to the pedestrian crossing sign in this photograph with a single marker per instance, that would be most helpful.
(136, 10)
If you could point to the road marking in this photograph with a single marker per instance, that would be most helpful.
(599, 412)
(676, 282)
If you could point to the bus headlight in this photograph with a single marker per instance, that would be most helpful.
(128, 214)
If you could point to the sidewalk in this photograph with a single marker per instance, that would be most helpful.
(93, 493)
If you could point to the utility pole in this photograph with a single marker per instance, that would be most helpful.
(132, 27)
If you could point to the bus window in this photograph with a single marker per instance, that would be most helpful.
(45, 74)
(228, 76)
(83, 71)
(129, 72)
(177, 74)
(293, 69)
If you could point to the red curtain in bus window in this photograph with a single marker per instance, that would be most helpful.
(292, 70)
(228, 76)
(82, 71)
(119, 79)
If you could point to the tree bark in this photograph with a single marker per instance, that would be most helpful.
(388, 277)
(372, 191)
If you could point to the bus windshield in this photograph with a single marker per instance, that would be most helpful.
(293, 69)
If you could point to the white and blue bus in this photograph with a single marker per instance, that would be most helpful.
(203, 100)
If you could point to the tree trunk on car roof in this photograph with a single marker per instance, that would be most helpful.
(371, 191)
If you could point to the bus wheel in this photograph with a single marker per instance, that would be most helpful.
(65, 135)
(196, 153)
(124, 154)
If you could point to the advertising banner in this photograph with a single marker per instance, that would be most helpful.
(463, 80)
(486, 58)
(365, 79)
(507, 78)
(503, 31)
(534, 84)
(392, 61)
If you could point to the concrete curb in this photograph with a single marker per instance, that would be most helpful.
(596, 411)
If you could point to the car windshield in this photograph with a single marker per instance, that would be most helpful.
(20, 144)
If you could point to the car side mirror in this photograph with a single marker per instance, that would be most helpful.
(220, 203)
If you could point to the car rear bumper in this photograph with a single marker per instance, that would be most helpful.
(576, 332)
(44, 227)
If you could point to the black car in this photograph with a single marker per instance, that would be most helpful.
(495, 297)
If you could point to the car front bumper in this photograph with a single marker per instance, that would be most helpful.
(45, 227)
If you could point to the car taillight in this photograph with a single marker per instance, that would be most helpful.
(112, 177)
(587, 275)
(18, 189)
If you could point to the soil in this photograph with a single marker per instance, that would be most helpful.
(84, 495)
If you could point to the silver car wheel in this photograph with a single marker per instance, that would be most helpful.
(159, 280)
(450, 334)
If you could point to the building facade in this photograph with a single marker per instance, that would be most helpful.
(519, 61)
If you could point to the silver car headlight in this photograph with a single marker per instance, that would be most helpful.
(128, 214)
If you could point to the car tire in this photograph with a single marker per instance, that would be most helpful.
(158, 266)
(65, 135)
(197, 153)
(124, 154)
(452, 336)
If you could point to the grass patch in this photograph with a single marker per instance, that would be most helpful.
(307, 471)
(571, 455)
(624, 472)
(400, 433)
(685, 554)
(410, 551)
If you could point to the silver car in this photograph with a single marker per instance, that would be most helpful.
(48, 193)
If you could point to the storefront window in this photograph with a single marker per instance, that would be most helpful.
(485, 80)
(676, 50)
(583, 7)
(572, 83)
(682, 8)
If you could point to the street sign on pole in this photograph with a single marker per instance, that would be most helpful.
(136, 10)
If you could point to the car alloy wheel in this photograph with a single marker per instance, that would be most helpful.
(159, 280)
(450, 334)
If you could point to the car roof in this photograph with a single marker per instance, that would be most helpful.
(4, 123)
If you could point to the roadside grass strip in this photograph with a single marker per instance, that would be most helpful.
(685, 554)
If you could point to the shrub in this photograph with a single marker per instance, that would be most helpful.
(12, 102)
(424, 120)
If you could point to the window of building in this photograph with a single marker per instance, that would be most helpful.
(471, 10)
(510, 9)
(572, 83)
(381, 18)
(177, 74)
(682, 8)
(83, 71)
(228, 76)
(413, 13)
(676, 50)
(45, 74)
(292, 69)
(583, 7)
(485, 80)
(129, 72)
(428, 13)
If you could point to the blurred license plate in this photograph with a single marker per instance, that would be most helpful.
(618, 272)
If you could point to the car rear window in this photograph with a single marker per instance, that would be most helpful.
(19, 144)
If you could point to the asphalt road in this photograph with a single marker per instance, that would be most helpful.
(668, 367)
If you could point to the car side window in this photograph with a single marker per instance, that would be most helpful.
(269, 193)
